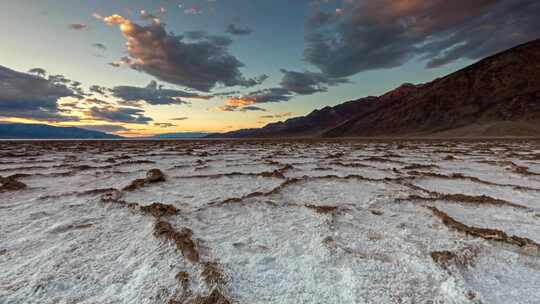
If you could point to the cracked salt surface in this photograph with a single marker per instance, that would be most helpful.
(268, 222)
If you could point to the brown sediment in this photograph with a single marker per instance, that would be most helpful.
(79, 193)
(521, 169)
(257, 193)
(275, 174)
(24, 168)
(485, 233)
(212, 274)
(511, 166)
(349, 165)
(215, 297)
(458, 176)
(291, 181)
(480, 200)
(378, 159)
(323, 209)
(335, 155)
(182, 294)
(183, 278)
(114, 197)
(152, 176)
(464, 199)
(134, 162)
(134, 185)
(420, 167)
(182, 239)
(159, 210)
(10, 184)
(462, 258)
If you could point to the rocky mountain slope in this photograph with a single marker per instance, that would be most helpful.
(498, 96)
(315, 123)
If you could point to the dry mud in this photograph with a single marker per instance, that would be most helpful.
(270, 222)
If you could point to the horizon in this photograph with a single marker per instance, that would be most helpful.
(144, 68)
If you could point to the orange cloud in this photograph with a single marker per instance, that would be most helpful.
(238, 102)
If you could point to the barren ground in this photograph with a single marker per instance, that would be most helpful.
(270, 222)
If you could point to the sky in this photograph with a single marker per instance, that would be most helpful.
(144, 67)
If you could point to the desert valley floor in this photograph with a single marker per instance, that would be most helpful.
(270, 222)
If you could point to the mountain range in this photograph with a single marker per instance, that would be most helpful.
(40, 131)
(497, 96)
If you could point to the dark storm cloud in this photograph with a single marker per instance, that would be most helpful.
(154, 95)
(377, 34)
(196, 60)
(28, 96)
(307, 83)
(233, 29)
(125, 115)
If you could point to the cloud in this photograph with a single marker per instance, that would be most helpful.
(99, 90)
(154, 95)
(104, 128)
(28, 96)
(252, 108)
(99, 46)
(78, 26)
(200, 61)
(179, 118)
(164, 124)
(307, 83)
(96, 101)
(237, 108)
(233, 29)
(275, 94)
(293, 83)
(125, 115)
(380, 34)
(246, 102)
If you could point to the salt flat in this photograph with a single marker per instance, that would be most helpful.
(300, 221)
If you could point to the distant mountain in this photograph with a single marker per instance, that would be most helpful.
(180, 135)
(39, 131)
(498, 96)
(315, 123)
